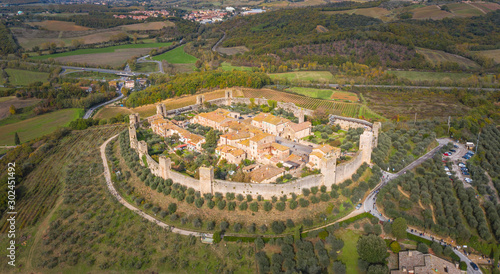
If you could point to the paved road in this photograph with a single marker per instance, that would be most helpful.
(112, 71)
(91, 110)
(113, 191)
(143, 60)
(294, 146)
(369, 204)
(214, 48)
(415, 87)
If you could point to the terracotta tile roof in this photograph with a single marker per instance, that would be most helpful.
(317, 154)
(260, 117)
(236, 136)
(279, 146)
(298, 127)
(259, 137)
(230, 150)
(324, 149)
(275, 120)
(218, 115)
(245, 142)
(265, 172)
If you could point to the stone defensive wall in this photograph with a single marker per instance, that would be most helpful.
(331, 173)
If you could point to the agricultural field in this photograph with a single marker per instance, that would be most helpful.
(464, 10)
(6, 102)
(148, 26)
(494, 54)
(313, 92)
(429, 76)
(343, 109)
(304, 76)
(35, 127)
(19, 77)
(113, 56)
(486, 6)
(55, 25)
(108, 112)
(28, 38)
(112, 49)
(367, 114)
(392, 103)
(146, 67)
(430, 12)
(228, 66)
(438, 56)
(176, 56)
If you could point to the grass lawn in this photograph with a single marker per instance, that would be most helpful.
(313, 92)
(349, 255)
(306, 76)
(102, 50)
(429, 76)
(38, 126)
(19, 77)
(147, 67)
(176, 56)
(228, 67)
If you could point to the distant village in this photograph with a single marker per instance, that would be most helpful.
(216, 15)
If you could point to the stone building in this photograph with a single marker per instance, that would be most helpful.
(415, 262)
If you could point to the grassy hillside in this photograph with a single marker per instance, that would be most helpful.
(176, 56)
(429, 76)
(19, 77)
(38, 126)
(306, 76)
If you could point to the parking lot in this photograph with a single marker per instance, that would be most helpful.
(456, 160)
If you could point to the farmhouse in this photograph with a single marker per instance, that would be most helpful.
(129, 84)
(416, 262)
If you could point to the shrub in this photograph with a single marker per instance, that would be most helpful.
(306, 191)
(303, 202)
(243, 206)
(422, 248)
(199, 202)
(268, 206)
(395, 247)
(278, 227)
(293, 204)
(280, 206)
(210, 204)
(211, 225)
(254, 207)
(216, 237)
(221, 204)
(172, 208)
(263, 228)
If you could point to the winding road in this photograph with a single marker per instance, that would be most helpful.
(91, 110)
(369, 204)
(111, 188)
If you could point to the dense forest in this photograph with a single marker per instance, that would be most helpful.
(191, 83)
(285, 35)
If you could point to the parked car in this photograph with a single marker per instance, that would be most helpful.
(474, 266)
(466, 173)
(461, 165)
(448, 173)
(455, 146)
(452, 150)
(446, 154)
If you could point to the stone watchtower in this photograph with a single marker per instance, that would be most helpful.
(301, 115)
(365, 146)
(328, 167)
(164, 163)
(376, 127)
(229, 97)
(134, 120)
(200, 99)
(161, 109)
(206, 179)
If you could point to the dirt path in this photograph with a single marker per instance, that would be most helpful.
(433, 216)
(403, 192)
(40, 232)
(420, 204)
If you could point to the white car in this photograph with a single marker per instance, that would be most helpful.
(446, 168)
(468, 180)
(448, 173)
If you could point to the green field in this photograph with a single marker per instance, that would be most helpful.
(176, 56)
(38, 126)
(146, 67)
(349, 254)
(19, 77)
(228, 67)
(429, 76)
(305, 76)
(314, 92)
(101, 50)
(437, 56)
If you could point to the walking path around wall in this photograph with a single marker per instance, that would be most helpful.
(113, 191)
